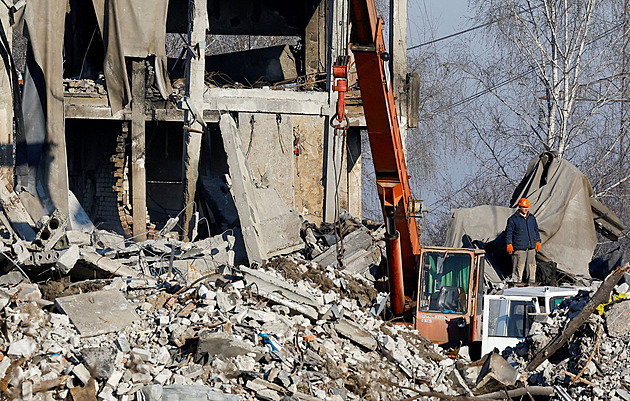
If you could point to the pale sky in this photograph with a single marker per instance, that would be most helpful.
(435, 17)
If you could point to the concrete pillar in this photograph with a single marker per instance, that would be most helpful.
(315, 39)
(398, 70)
(195, 84)
(6, 105)
(138, 151)
(333, 143)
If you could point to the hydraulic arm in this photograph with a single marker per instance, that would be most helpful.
(392, 180)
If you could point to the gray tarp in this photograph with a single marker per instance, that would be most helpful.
(132, 28)
(560, 199)
(44, 173)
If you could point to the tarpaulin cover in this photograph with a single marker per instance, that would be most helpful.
(560, 199)
(132, 28)
(44, 171)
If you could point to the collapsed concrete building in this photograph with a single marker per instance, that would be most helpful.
(133, 112)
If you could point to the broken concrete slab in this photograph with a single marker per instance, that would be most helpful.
(281, 292)
(496, 373)
(280, 226)
(356, 334)
(356, 245)
(90, 256)
(222, 343)
(242, 190)
(269, 227)
(78, 238)
(15, 211)
(100, 312)
(79, 219)
(178, 392)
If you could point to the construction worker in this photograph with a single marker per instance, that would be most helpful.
(523, 241)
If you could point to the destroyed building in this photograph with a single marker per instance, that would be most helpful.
(138, 112)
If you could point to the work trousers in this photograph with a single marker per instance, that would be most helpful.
(522, 259)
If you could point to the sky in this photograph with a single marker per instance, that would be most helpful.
(442, 17)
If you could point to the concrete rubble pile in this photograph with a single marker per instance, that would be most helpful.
(595, 363)
(168, 320)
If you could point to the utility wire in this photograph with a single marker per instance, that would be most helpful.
(450, 36)
(469, 29)
(510, 80)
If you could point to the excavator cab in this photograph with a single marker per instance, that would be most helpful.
(450, 290)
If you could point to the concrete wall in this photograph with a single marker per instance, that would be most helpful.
(308, 166)
(267, 141)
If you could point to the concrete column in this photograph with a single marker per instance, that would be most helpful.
(6, 106)
(195, 84)
(398, 50)
(138, 151)
(315, 39)
(333, 143)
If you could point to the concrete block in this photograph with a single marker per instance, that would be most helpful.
(163, 376)
(123, 344)
(81, 373)
(144, 354)
(152, 392)
(618, 319)
(98, 312)
(222, 344)
(53, 229)
(23, 347)
(100, 360)
(67, 259)
(114, 379)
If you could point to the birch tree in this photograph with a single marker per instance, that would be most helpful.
(562, 60)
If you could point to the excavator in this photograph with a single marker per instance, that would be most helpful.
(438, 290)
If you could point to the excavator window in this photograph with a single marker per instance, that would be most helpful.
(445, 282)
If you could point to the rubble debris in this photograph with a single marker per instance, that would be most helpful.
(601, 296)
(291, 330)
(592, 363)
(496, 373)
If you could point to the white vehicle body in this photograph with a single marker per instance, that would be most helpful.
(507, 317)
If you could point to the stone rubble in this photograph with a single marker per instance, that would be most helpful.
(199, 327)
(595, 363)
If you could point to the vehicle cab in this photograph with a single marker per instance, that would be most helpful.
(507, 317)
(450, 289)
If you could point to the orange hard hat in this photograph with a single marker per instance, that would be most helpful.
(523, 202)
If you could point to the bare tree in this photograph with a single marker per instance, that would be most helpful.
(561, 61)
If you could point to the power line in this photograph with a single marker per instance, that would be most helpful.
(470, 29)
(510, 80)
(450, 36)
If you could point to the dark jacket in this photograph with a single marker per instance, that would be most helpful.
(522, 232)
